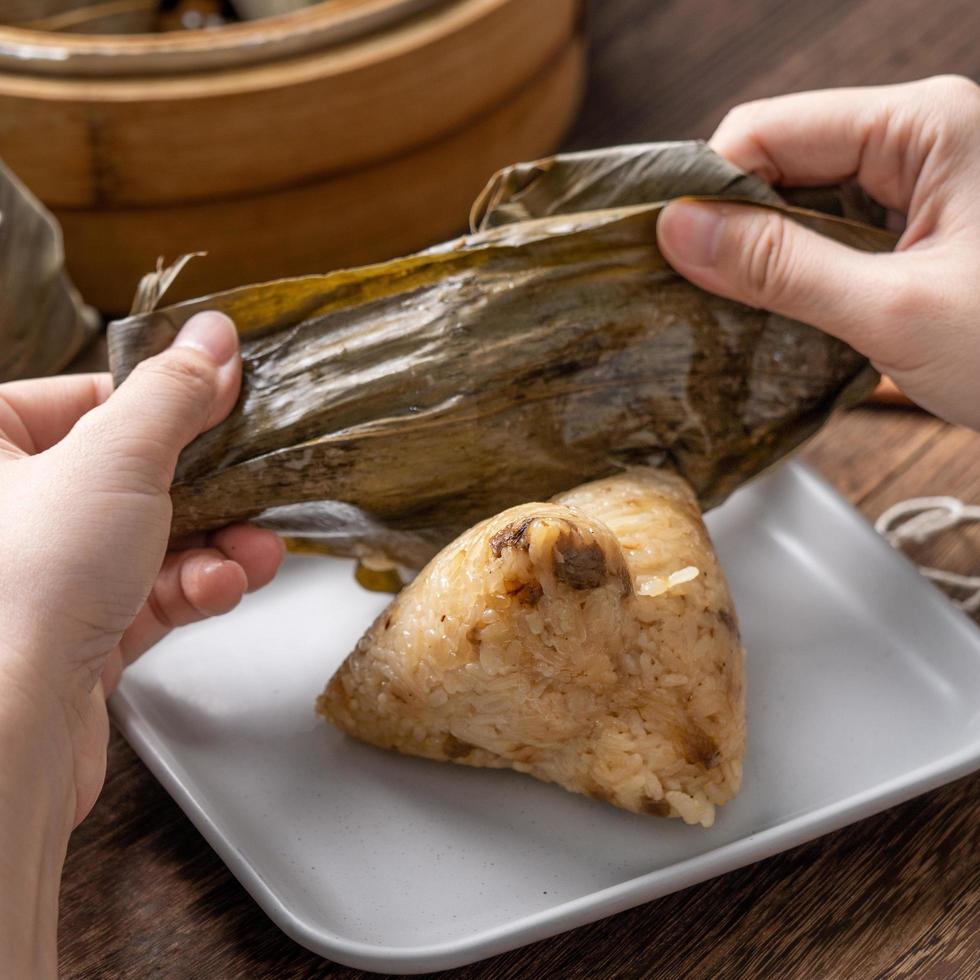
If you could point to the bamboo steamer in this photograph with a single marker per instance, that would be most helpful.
(108, 16)
(362, 148)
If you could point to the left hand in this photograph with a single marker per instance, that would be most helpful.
(89, 579)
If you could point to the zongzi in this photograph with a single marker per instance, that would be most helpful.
(386, 409)
(590, 642)
(43, 322)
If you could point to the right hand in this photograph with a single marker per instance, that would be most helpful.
(914, 148)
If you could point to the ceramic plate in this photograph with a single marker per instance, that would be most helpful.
(864, 690)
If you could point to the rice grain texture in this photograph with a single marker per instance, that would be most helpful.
(590, 642)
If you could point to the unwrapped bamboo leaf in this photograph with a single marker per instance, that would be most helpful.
(618, 176)
(43, 322)
(638, 174)
(385, 409)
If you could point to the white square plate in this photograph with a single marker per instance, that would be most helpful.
(864, 690)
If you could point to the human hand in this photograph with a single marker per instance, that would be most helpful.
(87, 582)
(915, 149)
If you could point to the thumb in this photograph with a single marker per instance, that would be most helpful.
(762, 258)
(168, 400)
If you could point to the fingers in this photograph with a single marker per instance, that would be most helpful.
(882, 136)
(203, 582)
(258, 551)
(763, 259)
(810, 138)
(38, 413)
(135, 437)
(191, 586)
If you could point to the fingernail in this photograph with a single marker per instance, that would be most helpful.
(217, 598)
(212, 333)
(218, 567)
(212, 566)
(692, 232)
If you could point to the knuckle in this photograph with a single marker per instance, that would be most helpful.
(947, 98)
(905, 303)
(161, 611)
(955, 86)
(892, 329)
(763, 247)
(729, 122)
(740, 137)
(744, 116)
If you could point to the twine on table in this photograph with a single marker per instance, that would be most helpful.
(921, 518)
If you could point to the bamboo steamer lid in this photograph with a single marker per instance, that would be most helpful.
(357, 150)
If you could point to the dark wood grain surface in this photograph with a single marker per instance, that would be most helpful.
(897, 895)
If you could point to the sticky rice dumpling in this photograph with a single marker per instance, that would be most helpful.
(590, 642)
(44, 324)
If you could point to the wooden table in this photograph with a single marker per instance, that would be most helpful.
(897, 895)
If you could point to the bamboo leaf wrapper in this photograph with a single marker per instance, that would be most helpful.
(387, 408)
(43, 322)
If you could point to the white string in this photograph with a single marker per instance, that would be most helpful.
(922, 518)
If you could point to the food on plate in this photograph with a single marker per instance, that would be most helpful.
(590, 641)
(386, 409)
